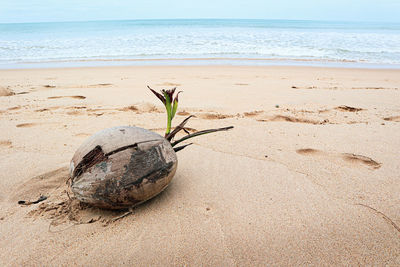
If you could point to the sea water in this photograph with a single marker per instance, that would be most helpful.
(205, 41)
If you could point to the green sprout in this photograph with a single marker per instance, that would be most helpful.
(171, 105)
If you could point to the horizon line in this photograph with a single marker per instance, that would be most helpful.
(183, 19)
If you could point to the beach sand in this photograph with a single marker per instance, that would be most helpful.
(310, 175)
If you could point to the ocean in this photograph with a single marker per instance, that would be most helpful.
(208, 41)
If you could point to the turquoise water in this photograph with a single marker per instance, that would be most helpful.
(251, 42)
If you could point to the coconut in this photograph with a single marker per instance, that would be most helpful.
(121, 167)
(124, 166)
(5, 91)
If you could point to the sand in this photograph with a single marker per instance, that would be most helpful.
(310, 175)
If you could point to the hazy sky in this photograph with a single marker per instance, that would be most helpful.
(74, 10)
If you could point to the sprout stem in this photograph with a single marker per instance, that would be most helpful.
(200, 133)
(169, 120)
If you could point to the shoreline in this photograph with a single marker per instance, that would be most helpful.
(245, 62)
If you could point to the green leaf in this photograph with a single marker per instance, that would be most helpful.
(158, 95)
(169, 112)
(175, 106)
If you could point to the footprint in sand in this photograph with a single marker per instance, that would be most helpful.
(309, 151)
(301, 116)
(42, 110)
(102, 84)
(72, 96)
(75, 112)
(82, 135)
(360, 159)
(129, 108)
(89, 85)
(26, 125)
(347, 108)
(375, 88)
(141, 108)
(213, 116)
(252, 114)
(353, 159)
(49, 109)
(5, 143)
(14, 108)
(292, 119)
(96, 114)
(316, 87)
(306, 87)
(75, 107)
(183, 113)
(394, 118)
(95, 85)
(169, 84)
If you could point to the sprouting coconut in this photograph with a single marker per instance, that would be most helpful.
(123, 166)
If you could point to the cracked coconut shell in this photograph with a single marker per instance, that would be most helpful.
(121, 167)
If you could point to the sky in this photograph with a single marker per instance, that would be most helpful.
(17, 11)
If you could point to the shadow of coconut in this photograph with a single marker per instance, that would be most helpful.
(61, 208)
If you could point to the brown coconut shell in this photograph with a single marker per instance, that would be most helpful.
(122, 167)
